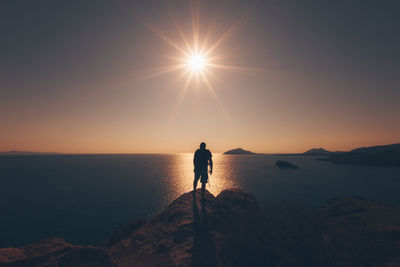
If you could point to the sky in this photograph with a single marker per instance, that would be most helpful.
(84, 76)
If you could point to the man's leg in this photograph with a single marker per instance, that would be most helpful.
(203, 188)
(196, 179)
(204, 179)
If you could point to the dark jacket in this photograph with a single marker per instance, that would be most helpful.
(201, 158)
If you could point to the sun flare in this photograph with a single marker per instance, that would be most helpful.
(196, 62)
(199, 54)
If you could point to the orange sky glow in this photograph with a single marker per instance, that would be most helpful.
(167, 79)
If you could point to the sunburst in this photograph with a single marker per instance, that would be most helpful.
(196, 62)
(197, 58)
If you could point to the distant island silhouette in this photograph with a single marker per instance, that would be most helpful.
(312, 152)
(285, 165)
(319, 151)
(386, 155)
(383, 155)
(238, 151)
(18, 152)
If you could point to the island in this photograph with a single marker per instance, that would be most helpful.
(386, 155)
(238, 151)
(319, 152)
(312, 152)
(18, 152)
(285, 165)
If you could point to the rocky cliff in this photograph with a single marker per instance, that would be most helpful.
(189, 232)
(232, 230)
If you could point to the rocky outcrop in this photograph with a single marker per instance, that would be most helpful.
(54, 252)
(358, 232)
(232, 230)
(189, 232)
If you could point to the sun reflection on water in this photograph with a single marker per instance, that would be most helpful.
(179, 178)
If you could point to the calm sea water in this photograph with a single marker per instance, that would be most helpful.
(84, 197)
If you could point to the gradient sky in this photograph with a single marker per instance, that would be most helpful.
(74, 76)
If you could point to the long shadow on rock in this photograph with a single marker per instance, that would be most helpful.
(204, 251)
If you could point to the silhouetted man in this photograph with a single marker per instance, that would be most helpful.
(202, 157)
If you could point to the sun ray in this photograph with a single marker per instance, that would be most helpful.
(213, 75)
(155, 30)
(214, 94)
(228, 54)
(182, 93)
(199, 59)
(195, 12)
(179, 29)
(225, 35)
(158, 71)
(231, 68)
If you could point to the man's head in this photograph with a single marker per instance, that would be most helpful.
(203, 145)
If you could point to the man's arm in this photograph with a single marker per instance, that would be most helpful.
(194, 160)
(211, 165)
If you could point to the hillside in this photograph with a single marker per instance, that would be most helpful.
(388, 155)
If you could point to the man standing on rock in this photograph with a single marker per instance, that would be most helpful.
(202, 157)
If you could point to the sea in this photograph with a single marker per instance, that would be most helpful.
(83, 198)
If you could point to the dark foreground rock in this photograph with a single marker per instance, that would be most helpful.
(189, 232)
(285, 165)
(232, 230)
(359, 232)
(54, 252)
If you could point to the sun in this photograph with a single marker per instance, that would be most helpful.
(196, 62)
(197, 55)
